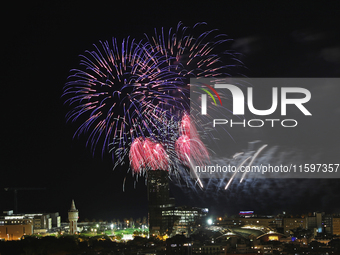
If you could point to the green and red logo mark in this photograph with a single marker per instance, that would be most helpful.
(204, 98)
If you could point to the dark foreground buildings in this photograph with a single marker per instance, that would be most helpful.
(164, 217)
(159, 200)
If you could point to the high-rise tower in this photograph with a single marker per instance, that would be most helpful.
(73, 218)
(159, 200)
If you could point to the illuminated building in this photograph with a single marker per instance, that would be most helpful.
(183, 220)
(315, 221)
(229, 222)
(209, 249)
(56, 220)
(321, 222)
(73, 218)
(327, 223)
(270, 236)
(159, 200)
(336, 226)
(164, 217)
(293, 223)
(265, 222)
(42, 223)
(268, 222)
(14, 226)
(178, 244)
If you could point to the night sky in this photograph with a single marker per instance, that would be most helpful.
(42, 41)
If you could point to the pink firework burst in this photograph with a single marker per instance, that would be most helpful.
(186, 128)
(191, 149)
(155, 156)
(160, 158)
(189, 145)
(145, 154)
(182, 148)
(136, 155)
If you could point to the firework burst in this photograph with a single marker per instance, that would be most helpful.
(132, 98)
(120, 93)
(146, 154)
(194, 52)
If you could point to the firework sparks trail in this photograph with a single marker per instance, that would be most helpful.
(237, 154)
(233, 176)
(193, 171)
(252, 160)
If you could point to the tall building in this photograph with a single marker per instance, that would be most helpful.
(158, 199)
(164, 217)
(73, 218)
(327, 223)
(56, 220)
(294, 223)
(315, 221)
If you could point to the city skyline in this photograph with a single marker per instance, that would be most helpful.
(291, 40)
